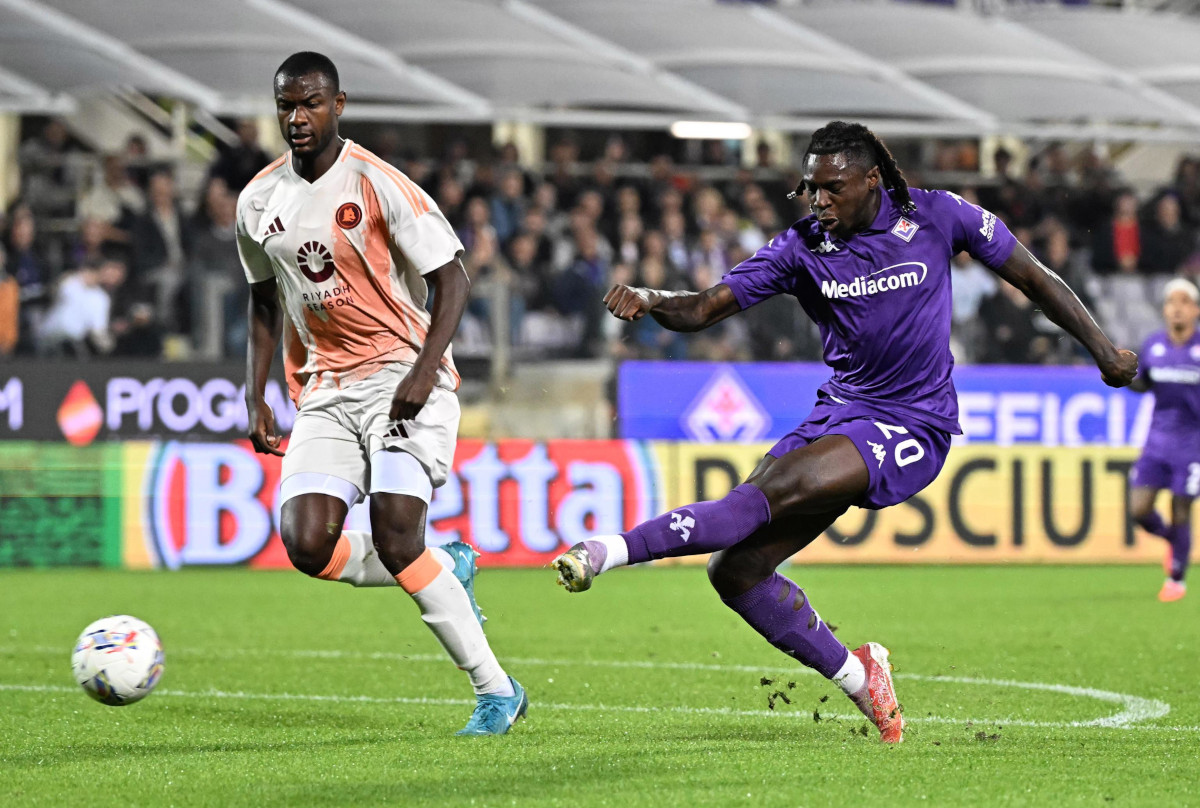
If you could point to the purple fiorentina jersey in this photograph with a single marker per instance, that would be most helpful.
(881, 297)
(1174, 373)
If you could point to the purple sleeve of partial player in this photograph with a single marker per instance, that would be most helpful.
(770, 271)
(973, 229)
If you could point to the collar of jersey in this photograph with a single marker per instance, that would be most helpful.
(347, 144)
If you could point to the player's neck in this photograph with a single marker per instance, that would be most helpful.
(313, 168)
(869, 213)
(1183, 335)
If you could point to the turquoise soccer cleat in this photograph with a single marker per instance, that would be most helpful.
(495, 715)
(464, 556)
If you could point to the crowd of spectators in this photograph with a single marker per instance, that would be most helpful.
(138, 270)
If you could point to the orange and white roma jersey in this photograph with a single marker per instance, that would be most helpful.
(348, 252)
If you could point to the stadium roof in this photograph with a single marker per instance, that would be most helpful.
(902, 67)
(1026, 79)
(1160, 49)
(230, 49)
(784, 73)
(526, 64)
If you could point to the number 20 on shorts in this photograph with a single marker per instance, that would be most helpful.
(906, 451)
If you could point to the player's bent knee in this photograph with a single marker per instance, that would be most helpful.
(308, 553)
(735, 570)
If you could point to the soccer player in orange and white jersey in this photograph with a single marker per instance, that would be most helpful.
(338, 247)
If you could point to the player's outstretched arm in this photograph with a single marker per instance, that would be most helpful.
(266, 326)
(675, 311)
(451, 287)
(1045, 288)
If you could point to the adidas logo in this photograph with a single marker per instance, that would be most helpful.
(275, 228)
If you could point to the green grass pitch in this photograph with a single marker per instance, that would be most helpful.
(280, 690)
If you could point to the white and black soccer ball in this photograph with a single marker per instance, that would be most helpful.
(118, 660)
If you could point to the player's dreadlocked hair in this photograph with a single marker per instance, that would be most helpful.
(860, 144)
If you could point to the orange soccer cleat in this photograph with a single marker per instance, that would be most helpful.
(878, 699)
(1172, 591)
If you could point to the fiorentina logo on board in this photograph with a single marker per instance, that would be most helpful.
(726, 410)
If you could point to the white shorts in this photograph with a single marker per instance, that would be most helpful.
(337, 430)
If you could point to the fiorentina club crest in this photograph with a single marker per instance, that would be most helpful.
(725, 410)
(905, 229)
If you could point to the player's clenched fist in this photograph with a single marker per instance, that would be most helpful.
(629, 302)
(262, 429)
(1121, 370)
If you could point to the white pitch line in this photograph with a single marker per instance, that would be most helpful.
(1136, 709)
(599, 708)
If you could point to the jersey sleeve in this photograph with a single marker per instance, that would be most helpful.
(1143, 371)
(977, 231)
(255, 262)
(769, 272)
(417, 226)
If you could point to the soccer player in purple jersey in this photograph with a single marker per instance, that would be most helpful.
(1171, 457)
(871, 266)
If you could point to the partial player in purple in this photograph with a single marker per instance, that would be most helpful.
(1170, 460)
(871, 266)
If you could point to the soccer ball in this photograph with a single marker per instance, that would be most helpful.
(118, 660)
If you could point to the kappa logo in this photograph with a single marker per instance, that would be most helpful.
(878, 450)
(905, 229)
(1158, 349)
(348, 216)
(825, 247)
(682, 525)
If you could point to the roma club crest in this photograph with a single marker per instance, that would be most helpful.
(348, 216)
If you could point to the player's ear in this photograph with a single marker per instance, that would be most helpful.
(873, 178)
(339, 102)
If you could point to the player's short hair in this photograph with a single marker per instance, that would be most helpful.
(1181, 285)
(305, 63)
(863, 147)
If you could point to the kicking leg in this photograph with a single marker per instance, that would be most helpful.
(826, 475)
(746, 579)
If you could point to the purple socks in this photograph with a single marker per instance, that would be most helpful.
(778, 610)
(701, 528)
(1181, 549)
(1153, 523)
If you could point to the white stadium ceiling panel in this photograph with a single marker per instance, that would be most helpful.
(525, 64)
(1160, 49)
(1007, 69)
(234, 46)
(773, 66)
(43, 54)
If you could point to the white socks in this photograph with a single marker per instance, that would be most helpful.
(355, 562)
(852, 676)
(443, 602)
(446, 609)
(852, 679)
(618, 552)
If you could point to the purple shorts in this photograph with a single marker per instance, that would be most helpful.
(902, 454)
(1179, 475)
